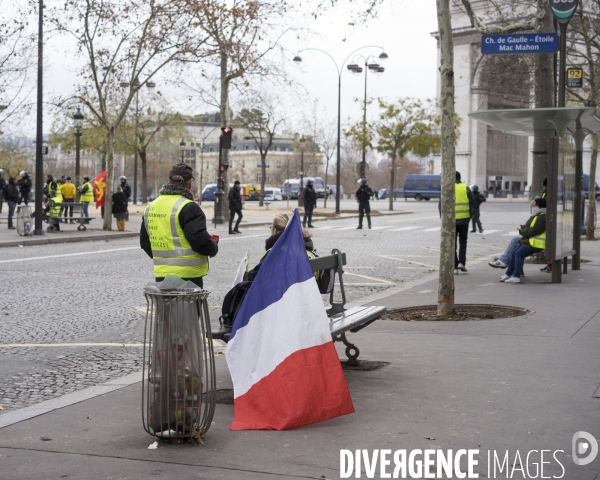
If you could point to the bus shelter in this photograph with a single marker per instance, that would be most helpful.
(566, 129)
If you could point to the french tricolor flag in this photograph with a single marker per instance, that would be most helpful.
(285, 370)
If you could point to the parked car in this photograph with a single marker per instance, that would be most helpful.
(422, 187)
(273, 194)
(586, 187)
(385, 193)
(208, 194)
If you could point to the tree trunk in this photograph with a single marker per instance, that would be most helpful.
(544, 98)
(110, 178)
(224, 116)
(591, 213)
(263, 175)
(143, 161)
(447, 234)
(392, 181)
(326, 191)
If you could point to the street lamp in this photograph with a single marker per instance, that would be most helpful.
(39, 163)
(373, 65)
(78, 124)
(301, 173)
(297, 59)
(182, 147)
(150, 86)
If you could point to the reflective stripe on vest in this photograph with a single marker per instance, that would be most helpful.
(540, 240)
(88, 196)
(461, 206)
(171, 252)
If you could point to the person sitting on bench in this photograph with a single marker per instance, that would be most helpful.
(533, 240)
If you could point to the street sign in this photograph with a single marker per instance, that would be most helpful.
(574, 77)
(519, 43)
(563, 10)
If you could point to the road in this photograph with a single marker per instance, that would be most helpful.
(91, 293)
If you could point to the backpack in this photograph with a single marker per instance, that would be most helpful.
(232, 303)
(325, 278)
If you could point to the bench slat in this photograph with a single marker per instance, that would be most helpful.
(353, 318)
(328, 261)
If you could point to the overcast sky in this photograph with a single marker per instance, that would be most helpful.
(403, 29)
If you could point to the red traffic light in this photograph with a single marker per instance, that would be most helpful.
(226, 137)
(226, 130)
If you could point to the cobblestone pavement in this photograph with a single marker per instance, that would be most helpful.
(92, 292)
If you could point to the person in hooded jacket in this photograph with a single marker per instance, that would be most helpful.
(310, 202)
(11, 195)
(479, 199)
(363, 197)
(2, 187)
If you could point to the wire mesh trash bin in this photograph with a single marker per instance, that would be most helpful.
(179, 385)
(24, 224)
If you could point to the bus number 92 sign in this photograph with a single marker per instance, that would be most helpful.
(563, 10)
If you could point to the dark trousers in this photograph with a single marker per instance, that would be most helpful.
(462, 233)
(11, 212)
(66, 208)
(308, 212)
(25, 198)
(364, 207)
(476, 221)
(239, 219)
(517, 260)
(1, 200)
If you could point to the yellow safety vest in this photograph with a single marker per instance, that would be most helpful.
(461, 206)
(171, 252)
(58, 198)
(540, 240)
(87, 197)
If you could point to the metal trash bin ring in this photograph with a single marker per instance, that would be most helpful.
(179, 383)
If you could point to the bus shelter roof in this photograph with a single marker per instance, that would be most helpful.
(541, 121)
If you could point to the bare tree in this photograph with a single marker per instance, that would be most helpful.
(585, 52)
(241, 35)
(125, 44)
(262, 124)
(448, 134)
(17, 57)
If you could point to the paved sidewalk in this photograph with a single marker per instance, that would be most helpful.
(526, 383)
(254, 216)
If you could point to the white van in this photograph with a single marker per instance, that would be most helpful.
(273, 194)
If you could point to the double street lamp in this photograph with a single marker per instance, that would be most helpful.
(78, 124)
(182, 147)
(373, 65)
(382, 57)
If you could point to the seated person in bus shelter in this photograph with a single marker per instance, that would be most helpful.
(533, 240)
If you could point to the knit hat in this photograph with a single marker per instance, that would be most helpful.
(181, 173)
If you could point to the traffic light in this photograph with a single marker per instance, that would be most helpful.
(226, 137)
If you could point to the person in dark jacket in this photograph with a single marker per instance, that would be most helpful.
(2, 187)
(125, 187)
(363, 197)
(24, 185)
(235, 207)
(533, 239)
(479, 199)
(310, 202)
(190, 220)
(119, 208)
(11, 195)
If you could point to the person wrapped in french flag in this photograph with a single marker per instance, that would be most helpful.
(285, 369)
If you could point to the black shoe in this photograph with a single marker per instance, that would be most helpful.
(232, 232)
(546, 269)
(311, 226)
(359, 227)
(237, 231)
(12, 228)
(473, 231)
(480, 231)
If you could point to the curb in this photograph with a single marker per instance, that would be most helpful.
(79, 238)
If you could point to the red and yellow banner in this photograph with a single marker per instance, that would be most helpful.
(100, 188)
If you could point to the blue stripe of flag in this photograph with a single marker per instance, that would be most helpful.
(285, 265)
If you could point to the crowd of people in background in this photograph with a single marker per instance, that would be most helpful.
(58, 194)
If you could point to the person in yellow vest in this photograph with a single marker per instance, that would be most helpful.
(464, 208)
(55, 206)
(86, 195)
(68, 192)
(533, 239)
(174, 233)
